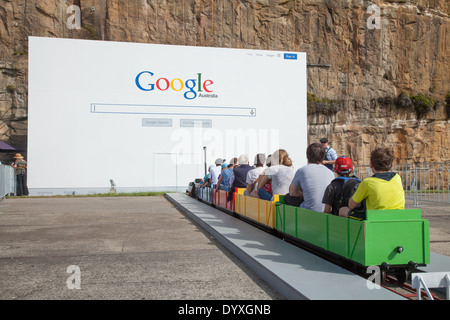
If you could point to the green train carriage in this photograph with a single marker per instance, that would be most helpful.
(395, 240)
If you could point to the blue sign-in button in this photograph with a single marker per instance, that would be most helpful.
(290, 56)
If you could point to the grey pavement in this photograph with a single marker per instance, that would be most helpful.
(130, 248)
(438, 215)
(124, 248)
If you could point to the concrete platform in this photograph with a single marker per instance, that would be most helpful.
(293, 272)
(126, 248)
(438, 263)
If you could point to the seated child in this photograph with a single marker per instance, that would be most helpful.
(333, 198)
(384, 190)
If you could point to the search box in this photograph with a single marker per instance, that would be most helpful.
(173, 110)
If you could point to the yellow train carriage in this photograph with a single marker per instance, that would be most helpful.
(261, 211)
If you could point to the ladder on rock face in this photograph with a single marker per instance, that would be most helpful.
(431, 280)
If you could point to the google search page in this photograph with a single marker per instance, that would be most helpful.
(149, 116)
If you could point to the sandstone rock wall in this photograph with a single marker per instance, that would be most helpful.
(349, 62)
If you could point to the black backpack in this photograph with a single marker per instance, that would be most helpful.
(348, 189)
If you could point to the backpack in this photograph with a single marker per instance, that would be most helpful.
(348, 189)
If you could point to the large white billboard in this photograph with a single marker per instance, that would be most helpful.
(146, 116)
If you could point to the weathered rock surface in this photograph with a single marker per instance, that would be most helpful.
(350, 62)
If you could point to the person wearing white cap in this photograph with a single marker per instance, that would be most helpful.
(216, 170)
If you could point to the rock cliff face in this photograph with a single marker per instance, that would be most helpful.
(362, 59)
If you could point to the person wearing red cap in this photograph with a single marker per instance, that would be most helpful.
(332, 195)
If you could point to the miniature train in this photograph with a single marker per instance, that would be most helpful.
(396, 241)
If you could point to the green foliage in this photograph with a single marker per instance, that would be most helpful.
(131, 194)
(422, 103)
(91, 31)
(385, 100)
(10, 88)
(403, 101)
(322, 106)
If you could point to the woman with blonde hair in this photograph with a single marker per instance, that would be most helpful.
(280, 174)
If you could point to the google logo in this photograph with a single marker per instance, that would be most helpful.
(163, 84)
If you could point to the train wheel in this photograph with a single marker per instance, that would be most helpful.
(402, 275)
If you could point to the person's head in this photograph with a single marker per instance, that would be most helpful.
(381, 159)
(281, 157)
(234, 162)
(243, 159)
(324, 142)
(18, 156)
(343, 166)
(315, 153)
(260, 159)
(219, 161)
(269, 160)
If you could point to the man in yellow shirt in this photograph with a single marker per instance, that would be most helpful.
(384, 190)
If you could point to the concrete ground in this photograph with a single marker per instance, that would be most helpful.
(438, 214)
(115, 248)
(130, 248)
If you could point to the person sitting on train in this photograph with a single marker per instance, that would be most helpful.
(206, 181)
(216, 170)
(384, 190)
(280, 174)
(223, 183)
(233, 164)
(240, 175)
(311, 180)
(268, 185)
(332, 198)
(253, 174)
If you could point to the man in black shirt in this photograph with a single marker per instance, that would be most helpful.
(240, 175)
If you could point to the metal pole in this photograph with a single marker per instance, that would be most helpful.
(416, 185)
(204, 150)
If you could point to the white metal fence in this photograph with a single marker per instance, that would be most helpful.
(422, 182)
(7, 180)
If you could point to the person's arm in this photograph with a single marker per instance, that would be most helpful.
(263, 181)
(327, 208)
(219, 182)
(295, 191)
(352, 204)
